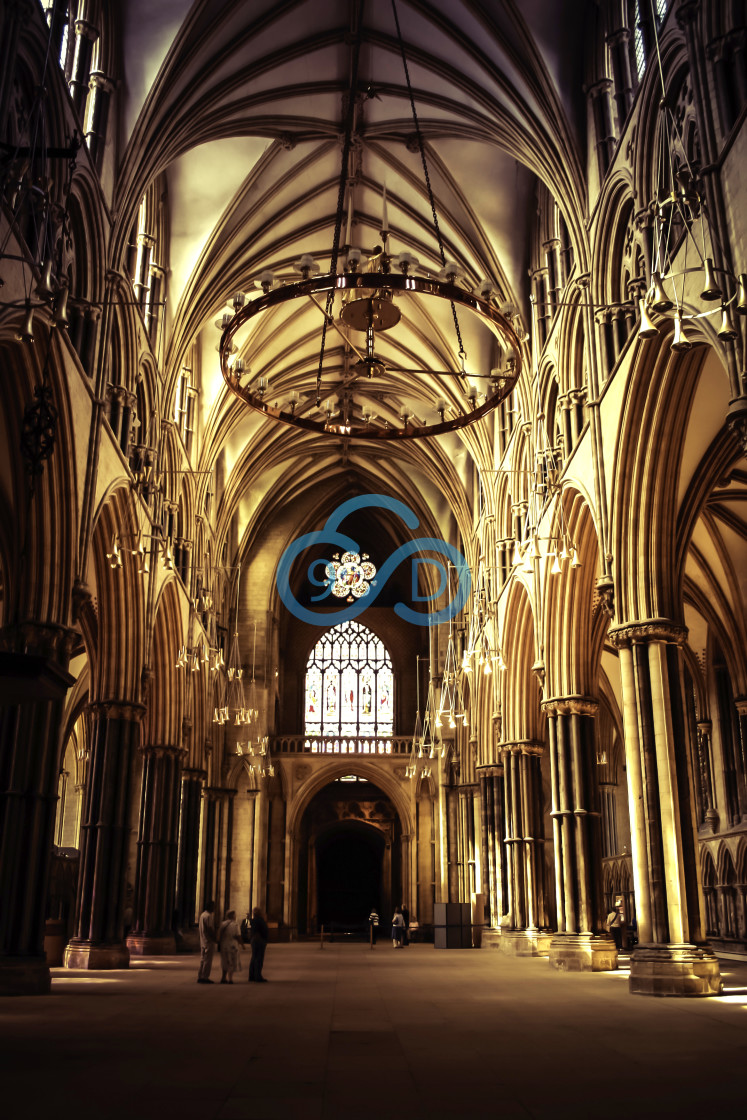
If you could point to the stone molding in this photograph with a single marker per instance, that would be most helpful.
(571, 705)
(490, 770)
(647, 630)
(162, 750)
(522, 746)
(117, 709)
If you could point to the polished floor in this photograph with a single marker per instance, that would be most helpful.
(347, 1032)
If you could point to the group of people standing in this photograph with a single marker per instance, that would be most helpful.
(400, 926)
(229, 941)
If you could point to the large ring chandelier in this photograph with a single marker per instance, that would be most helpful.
(362, 301)
(367, 306)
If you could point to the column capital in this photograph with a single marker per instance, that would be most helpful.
(40, 639)
(571, 705)
(162, 750)
(492, 770)
(687, 12)
(117, 709)
(522, 746)
(194, 773)
(647, 630)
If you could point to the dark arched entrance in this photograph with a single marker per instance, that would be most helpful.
(349, 860)
(349, 856)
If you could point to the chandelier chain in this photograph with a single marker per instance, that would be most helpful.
(349, 122)
(421, 148)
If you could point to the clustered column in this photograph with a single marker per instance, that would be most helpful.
(32, 694)
(189, 847)
(579, 944)
(493, 848)
(155, 876)
(98, 941)
(668, 959)
(527, 934)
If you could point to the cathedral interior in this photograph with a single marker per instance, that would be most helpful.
(373, 502)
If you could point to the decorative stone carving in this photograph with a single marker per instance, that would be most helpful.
(650, 630)
(301, 771)
(606, 590)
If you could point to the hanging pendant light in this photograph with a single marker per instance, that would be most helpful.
(681, 342)
(727, 332)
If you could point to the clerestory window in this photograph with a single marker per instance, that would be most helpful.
(349, 684)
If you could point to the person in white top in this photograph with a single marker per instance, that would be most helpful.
(208, 942)
(398, 928)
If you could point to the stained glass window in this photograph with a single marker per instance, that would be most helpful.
(349, 684)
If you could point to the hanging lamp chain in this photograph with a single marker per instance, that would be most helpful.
(349, 125)
(424, 161)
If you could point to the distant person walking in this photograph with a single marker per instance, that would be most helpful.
(406, 920)
(229, 944)
(208, 942)
(614, 924)
(373, 922)
(398, 928)
(259, 936)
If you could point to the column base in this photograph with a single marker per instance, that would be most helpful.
(93, 956)
(24, 976)
(674, 970)
(146, 945)
(583, 952)
(525, 942)
(491, 938)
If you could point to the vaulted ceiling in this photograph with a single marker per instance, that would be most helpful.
(241, 108)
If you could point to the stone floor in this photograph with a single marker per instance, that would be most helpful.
(350, 1032)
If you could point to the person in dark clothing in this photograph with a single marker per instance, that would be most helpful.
(259, 936)
(246, 931)
(406, 930)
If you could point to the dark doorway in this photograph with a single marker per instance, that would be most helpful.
(349, 864)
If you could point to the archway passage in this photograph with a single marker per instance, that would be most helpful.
(349, 857)
(349, 869)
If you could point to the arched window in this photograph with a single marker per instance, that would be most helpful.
(349, 684)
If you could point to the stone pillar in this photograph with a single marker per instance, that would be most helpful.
(527, 933)
(622, 76)
(189, 847)
(85, 36)
(599, 95)
(155, 875)
(580, 943)
(14, 16)
(452, 841)
(101, 89)
(33, 686)
(668, 959)
(493, 846)
(406, 870)
(98, 941)
(217, 823)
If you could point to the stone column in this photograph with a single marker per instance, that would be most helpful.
(452, 841)
(14, 17)
(580, 943)
(33, 686)
(98, 941)
(527, 934)
(155, 875)
(217, 820)
(85, 36)
(101, 89)
(189, 847)
(668, 959)
(406, 870)
(599, 95)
